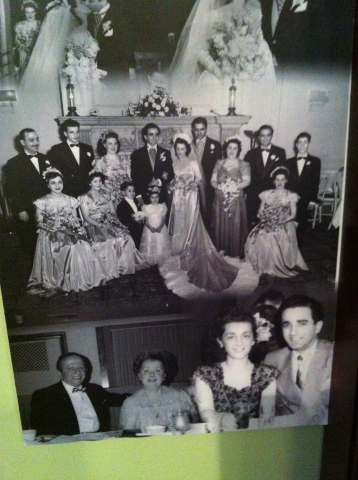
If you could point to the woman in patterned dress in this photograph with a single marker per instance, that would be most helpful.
(231, 392)
(26, 33)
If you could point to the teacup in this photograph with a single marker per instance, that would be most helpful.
(29, 435)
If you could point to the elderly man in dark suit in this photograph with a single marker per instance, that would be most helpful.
(24, 184)
(207, 151)
(73, 158)
(304, 179)
(72, 405)
(151, 164)
(299, 31)
(262, 159)
(110, 24)
(303, 387)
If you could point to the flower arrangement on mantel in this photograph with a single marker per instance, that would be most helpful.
(155, 104)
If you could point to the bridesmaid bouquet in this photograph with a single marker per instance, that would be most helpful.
(230, 191)
(236, 49)
(112, 225)
(62, 220)
(273, 218)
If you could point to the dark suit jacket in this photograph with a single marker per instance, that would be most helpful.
(115, 37)
(142, 173)
(303, 36)
(75, 176)
(306, 184)
(260, 175)
(52, 411)
(211, 153)
(23, 183)
(313, 399)
(124, 213)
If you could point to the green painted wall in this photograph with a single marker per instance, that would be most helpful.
(277, 454)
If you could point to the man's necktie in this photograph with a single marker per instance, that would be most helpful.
(152, 155)
(78, 389)
(97, 22)
(299, 382)
(200, 150)
(280, 4)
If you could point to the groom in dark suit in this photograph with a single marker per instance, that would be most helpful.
(73, 405)
(110, 25)
(151, 164)
(208, 151)
(299, 31)
(73, 158)
(262, 159)
(304, 179)
(24, 184)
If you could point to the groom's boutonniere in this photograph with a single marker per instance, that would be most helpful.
(47, 162)
(309, 162)
(89, 154)
(163, 157)
(212, 148)
(274, 158)
(107, 28)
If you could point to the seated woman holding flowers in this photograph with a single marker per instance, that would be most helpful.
(229, 219)
(116, 168)
(113, 243)
(231, 392)
(272, 245)
(64, 257)
(154, 403)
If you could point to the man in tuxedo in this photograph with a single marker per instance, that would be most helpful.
(151, 164)
(305, 364)
(72, 405)
(304, 179)
(299, 31)
(207, 151)
(262, 159)
(73, 158)
(24, 183)
(110, 25)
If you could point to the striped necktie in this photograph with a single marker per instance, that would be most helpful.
(97, 22)
(299, 381)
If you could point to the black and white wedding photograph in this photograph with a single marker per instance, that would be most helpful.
(172, 189)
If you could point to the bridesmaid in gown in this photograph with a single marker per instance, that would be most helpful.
(205, 267)
(26, 33)
(229, 219)
(272, 245)
(111, 239)
(116, 169)
(64, 258)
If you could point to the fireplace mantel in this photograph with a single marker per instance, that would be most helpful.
(129, 128)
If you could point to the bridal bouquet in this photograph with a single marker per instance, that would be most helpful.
(80, 63)
(230, 191)
(183, 182)
(111, 223)
(156, 104)
(237, 49)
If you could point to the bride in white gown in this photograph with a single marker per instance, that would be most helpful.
(199, 71)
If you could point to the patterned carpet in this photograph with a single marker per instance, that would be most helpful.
(145, 292)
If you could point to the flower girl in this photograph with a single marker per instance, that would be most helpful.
(155, 244)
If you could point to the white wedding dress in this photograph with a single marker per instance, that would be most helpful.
(192, 80)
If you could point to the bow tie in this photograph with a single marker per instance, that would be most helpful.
(74, 145)
(32, 156)
(78, 389)
(301, 158)
(265, 149)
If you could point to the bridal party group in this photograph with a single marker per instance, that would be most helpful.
(86, 218)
